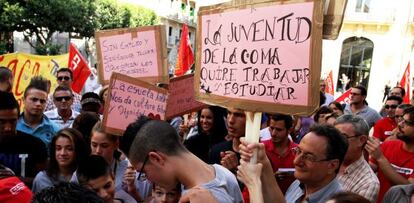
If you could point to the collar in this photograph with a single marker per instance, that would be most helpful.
(270, 147)
(363, 110)
(354, 166)
(45, 121)
(317, 196)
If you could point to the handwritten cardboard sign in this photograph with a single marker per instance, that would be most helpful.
(181, 99)
(130, 98)
(136, 52)
(263, 56)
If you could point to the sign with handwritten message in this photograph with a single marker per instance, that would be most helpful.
(136, 52)
(130, 98)
(262, 57)
(181, 99)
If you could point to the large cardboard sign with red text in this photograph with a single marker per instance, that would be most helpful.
(263, 56)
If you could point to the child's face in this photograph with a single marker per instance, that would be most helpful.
(162, 195)
(104, 186)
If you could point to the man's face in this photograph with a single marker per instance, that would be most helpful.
(406, 129)
(163, 195)
(35, 102)
(322, 86)
(278, 131)
(63, 100)
(8, 121)
(311, 166)
(236, 122)
(63, 78)
(399, 113)
(396, 92)
(355, 142)
(104, 187)
(356, 96)
(390, 107)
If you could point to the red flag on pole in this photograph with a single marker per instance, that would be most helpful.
(329, 86)
(405, 83)
(185, 58)
(344, 98)
(79, 67)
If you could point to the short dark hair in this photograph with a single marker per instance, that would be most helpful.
(395, 98)
(130, 133)
(65, 70)
(283, 117)
(362, 88)
(62, 88)
(404, 106)
(37, 82)
(337, 144)
(84, 123)
(5, 74)
(410, 112)
(66, 192)
(337, 105)
(92, 167)
(348, 197)
(91, 101)
(402, 90)
(8, 102)
(321, 110)
(155, 135)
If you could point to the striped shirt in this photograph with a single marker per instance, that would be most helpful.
(296, 192)
(360, 178)
(54, 116)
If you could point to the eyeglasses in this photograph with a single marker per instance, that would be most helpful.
(407, 122)
(349, 137)
(60, 78)
(306, 156)
(398, 117)
(66, 98)
(355, 94)
(142, 167)
(390, 106)
(34, 100)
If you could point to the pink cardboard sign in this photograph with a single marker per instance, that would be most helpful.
(130, 98)
(265, 53)
(136, 52)
(181, 97)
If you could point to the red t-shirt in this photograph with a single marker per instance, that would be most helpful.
(277, 162)
(400, 159)
(382, 126)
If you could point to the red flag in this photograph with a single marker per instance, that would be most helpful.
(329, 86)
(80, 69)
(344, 98)
(185, 58)
(405, 83)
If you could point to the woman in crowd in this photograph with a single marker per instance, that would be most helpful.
(67, 150)
(211, 130)
(106, 145)
(320, 114)
(337, 108)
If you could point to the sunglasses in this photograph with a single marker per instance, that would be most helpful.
(390, 106)
(59, 99)
(60, 78)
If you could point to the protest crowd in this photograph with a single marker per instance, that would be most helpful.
(116, 140)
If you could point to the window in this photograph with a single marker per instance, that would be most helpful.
(363, 6)
(355, 64)
(169, 31)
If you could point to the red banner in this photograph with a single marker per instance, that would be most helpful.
(405, 83)
(80, 69)
(329, 86)
(345, 97)
(185, 57)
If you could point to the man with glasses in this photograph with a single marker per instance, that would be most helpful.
(64, 77)
(32, 121)
(355, 174)
(394, 159)
(384, 127)
(63, 115)
(399, 113)
(154, 148)
(360, 107)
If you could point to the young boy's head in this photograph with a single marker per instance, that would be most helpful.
(95, 173)
(167, 195)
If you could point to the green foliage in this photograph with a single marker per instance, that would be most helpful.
(3, 49)
(141, 16)
(9, 12)
(48, 49)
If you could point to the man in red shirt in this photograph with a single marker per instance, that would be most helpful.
(279, 150)
(384, 127)
(394, 159)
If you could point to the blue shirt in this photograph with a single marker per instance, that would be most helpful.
(367, 113)
(297, 190)
(44, 131)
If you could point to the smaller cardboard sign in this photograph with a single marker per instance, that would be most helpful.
(181, 99)
(130, 98)
(136, 52)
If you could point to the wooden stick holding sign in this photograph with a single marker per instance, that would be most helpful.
(253, 122)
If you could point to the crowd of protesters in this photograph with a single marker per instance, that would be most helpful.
(56, 150)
